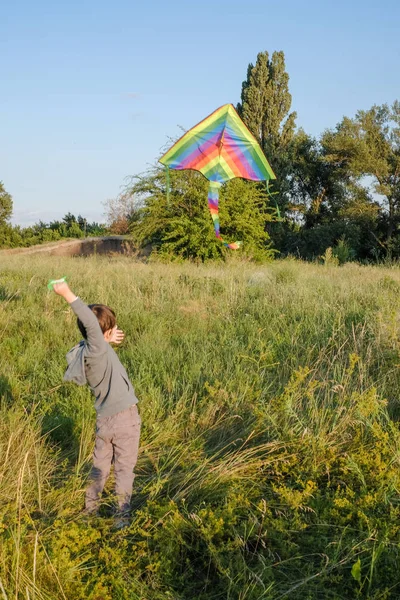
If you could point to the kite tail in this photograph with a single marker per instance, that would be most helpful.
(213, 197)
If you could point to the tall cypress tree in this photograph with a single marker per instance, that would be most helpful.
(266, 101)
(265, 109)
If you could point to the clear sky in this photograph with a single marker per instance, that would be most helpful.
(91, 90)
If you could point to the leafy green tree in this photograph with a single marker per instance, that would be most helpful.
(74, 230)
(95, 228)
(327, 205)
(69, 219)
(180, 225)
(10, 237)
(369, 145)
(82, 222)
(6, 204)
(316, 188)
(322, 188)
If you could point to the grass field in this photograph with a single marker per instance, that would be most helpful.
(270, 454)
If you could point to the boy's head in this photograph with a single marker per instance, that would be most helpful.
(105, 316)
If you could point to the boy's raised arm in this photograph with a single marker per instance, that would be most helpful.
(63, 289)
(96, 343)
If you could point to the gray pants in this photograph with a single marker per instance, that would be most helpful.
(117, 441)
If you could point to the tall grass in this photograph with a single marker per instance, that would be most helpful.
(270, 451)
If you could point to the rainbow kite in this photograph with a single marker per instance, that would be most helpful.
(221, 148)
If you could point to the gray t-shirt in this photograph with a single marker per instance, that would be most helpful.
(94, 361)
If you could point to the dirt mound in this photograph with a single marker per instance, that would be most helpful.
(116, 244)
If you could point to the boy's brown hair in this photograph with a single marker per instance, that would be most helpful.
(105, 316)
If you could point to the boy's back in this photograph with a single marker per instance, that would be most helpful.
(96, 362)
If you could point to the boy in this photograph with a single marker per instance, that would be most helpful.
(93, 361)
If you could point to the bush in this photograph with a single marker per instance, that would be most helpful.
(179, 224)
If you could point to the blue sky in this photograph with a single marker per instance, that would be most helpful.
(92, 90)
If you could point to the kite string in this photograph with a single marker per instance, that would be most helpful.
(167, 183)
(269, 195)
(213, 199)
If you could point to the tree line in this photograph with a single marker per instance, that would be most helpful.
(338, 192)
(69, 226)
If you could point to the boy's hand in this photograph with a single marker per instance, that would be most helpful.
(63, 289)
(117, 336)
